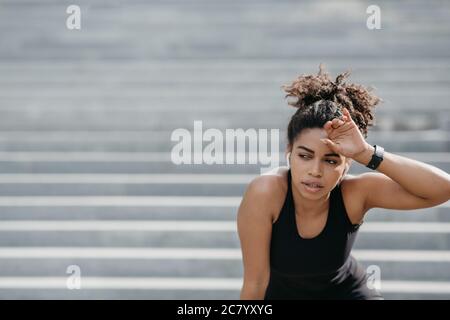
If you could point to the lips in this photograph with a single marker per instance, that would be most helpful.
(311, 189)
(312, 184)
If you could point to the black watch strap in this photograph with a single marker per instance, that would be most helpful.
(377, 157)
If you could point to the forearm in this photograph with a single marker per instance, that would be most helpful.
(418, 178)
(253, 292)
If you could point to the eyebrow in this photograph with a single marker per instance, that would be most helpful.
(328, 154)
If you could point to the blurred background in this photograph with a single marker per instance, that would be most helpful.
(87, 186)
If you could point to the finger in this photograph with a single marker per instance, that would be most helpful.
(334, 123)
(328, 125)
(337, 123)
(347, 115)
(333, 146)
(345, 118)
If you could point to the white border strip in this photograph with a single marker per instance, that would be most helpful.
(206, 226)
(86, 156)
(426, 287)
(130, 283)
(227, 63)
(119, 253)
(406, 227)
(118, 225)
(198, 254)
(85, 136)
(63, 156)
(128, 178)
(119, 201)
(130, 201)
(167, 283)
(403, 255)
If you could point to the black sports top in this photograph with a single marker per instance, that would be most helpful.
(319, 267)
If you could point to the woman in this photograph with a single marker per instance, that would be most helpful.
(298, 225)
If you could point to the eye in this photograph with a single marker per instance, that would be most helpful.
(304, 156)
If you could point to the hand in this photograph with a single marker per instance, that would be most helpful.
(344, 136)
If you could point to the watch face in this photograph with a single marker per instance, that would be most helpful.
(378, 152)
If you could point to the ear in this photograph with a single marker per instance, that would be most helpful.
(288, 148)
(348, 163)
(287, 153)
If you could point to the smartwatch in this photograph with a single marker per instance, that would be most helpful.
(377, 157)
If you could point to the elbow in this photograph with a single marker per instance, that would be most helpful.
(446, 195)
(438, 199)
(442, 196)
(448, 190)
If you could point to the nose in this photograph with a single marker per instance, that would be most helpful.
(316, 169)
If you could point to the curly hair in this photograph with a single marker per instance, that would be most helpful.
(319, 100)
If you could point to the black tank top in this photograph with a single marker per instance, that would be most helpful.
(319, 267)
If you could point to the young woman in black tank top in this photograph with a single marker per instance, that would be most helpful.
(320, 267)
(306, 252)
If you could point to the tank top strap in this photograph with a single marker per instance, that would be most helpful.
(342, 216)
(289, 197)
(288, 206)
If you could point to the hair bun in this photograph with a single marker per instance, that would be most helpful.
(308, 89)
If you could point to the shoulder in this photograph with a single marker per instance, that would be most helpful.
(268, 191)
(357, 187)
(271, 181)
(254, 225)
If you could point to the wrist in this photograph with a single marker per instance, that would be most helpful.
(365, 156)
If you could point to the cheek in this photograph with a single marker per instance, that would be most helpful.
(333, 173)
(338, 170)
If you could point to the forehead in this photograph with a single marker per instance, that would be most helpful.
(312, 134)
(310, 138)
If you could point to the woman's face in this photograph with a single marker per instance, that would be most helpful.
(312, 161)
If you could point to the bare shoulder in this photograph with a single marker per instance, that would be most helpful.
(268, 191)
(254, 222)
(354, 197)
